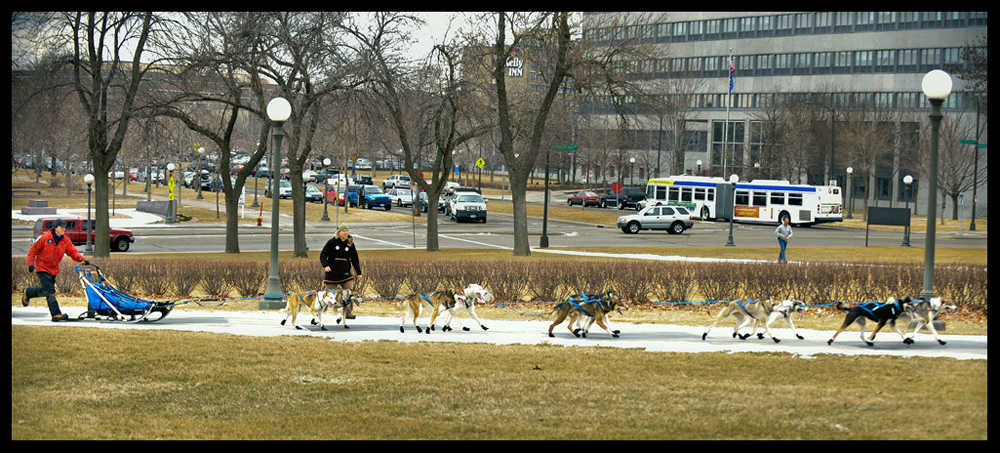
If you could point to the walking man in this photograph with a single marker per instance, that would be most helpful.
(784, 233)
(43, 260)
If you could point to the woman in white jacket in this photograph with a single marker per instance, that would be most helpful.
(784, 232)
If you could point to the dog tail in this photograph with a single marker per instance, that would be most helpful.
(843, 307)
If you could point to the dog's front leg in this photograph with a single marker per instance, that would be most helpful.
(788, 320)
(472, 313)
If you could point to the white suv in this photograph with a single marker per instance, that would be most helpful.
(468, 205)
(394, 181)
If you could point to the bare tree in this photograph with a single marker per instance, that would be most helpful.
(103, 80)
(424, 106)
(869, 136)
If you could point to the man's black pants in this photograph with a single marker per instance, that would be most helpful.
(46, 290)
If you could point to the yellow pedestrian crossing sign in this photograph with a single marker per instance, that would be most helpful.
(480, 162)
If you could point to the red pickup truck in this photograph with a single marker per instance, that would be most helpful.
(76, 229)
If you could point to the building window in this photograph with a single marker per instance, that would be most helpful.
(783, 64)
(843, 22)
(785, 24)
(885, 60)
(841, 62)
(866, 21)
(823, 62)
(804, 23)
(803, 63)
(863, 62)
(886, 21)
(748, 27)
(824, 22)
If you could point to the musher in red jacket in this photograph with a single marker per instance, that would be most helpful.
(43, 259)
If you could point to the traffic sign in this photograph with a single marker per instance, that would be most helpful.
(480, 162)
(565, 147)
(967, 142)
(616, 187)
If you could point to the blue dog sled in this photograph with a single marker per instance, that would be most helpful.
(104, 301)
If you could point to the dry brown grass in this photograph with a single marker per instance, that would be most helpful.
(89, 383)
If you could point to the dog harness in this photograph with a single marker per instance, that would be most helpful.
(870, 307)
(745, 309)
(583, 299)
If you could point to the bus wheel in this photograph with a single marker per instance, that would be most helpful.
(704, 213)
(784, 215)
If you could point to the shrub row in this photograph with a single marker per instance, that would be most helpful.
(511, 280)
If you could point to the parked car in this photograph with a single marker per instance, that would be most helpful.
(339, 198)
(422, 203)
(363, 179)
(585, 198)
(313, 194)
(401, 197)
(76, 231)
(394, 181)
(629, 197)
(326, 173)
(284, 189)
(309, 176)
(450, 186)
(674, 219)
(372, 196)
(469, 206)
(205, 180)
(449, 207)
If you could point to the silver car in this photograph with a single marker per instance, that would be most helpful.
(674, 219)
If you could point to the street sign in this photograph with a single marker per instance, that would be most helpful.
(616, 187)
(480, 162)
(565, 147)
(967, 142)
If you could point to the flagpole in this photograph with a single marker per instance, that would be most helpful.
(729, 102)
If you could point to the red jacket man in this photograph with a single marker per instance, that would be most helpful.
(43, 259)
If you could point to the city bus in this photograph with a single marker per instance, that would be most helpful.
(758, 201)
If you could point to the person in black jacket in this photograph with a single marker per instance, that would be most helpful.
(339, 255)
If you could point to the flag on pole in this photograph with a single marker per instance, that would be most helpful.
(732, 69)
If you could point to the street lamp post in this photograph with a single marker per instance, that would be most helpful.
(278, 110)
(170, 197)
(631, 169)
(326, 188)
(699, 166)
(201, 152)
(850, 201)
(908, 179)
(89, 179)
(936, 86)
(733, 178)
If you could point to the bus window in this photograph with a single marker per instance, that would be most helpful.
(699, 194)
(674, 194)
(759, 198)
(795, 199)
(686, 194)
(777, 198)
(661, 193)
(649, 191)
(711, 194)
(743, 197)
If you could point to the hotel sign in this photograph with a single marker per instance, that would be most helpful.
(514, 66)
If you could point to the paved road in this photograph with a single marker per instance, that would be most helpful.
(651, 337)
